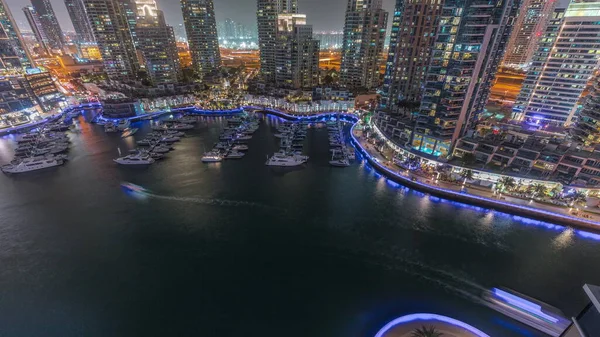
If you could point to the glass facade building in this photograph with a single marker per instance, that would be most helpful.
(113, 33)
(13, 54)
(566, 59)
(470, 43)
(78, 16)
(201, 31)
(364, 36)
(56, 39)
(411, 41)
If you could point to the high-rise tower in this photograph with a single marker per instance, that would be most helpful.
(56, 39)
(111, 26)
(201, 31)
(78, 16)
(411, 41)
(364, 36)
(36, 27)
(470, 43)
(566, 59)
(267, 15)
(155, 42)
(13, 54)
(529, 28)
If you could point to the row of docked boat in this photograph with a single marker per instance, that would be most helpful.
(40, 149)
(341, 155)
(291, 135)
(152, 148)
(233, 139)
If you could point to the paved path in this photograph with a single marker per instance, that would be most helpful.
(478, 191)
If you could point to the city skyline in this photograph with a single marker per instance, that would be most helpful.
(243, 12)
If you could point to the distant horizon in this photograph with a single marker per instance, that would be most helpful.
(325, 16)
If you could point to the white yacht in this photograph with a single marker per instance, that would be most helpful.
(240, 147)
(32, 164)
(284, 160)
(234, 154)
(341, 162)
(212, 157)
(135, 159)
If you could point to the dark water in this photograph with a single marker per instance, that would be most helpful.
(312, 252)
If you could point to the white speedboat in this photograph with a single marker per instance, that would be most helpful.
(212, 157)
(235, 155)
(240, 147)
(135, 159)
(284, 160)
(32, 164)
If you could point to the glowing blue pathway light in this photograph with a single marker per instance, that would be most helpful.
(430, 317)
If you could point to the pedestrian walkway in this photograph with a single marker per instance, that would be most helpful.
(458, 187)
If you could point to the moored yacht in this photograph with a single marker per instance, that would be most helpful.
(284, 160)
(135, 159)
(32, 164)
(212, 157)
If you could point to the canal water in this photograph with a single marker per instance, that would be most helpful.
(238, 248)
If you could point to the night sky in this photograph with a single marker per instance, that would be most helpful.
(322, 14)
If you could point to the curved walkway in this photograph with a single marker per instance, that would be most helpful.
(548, 215)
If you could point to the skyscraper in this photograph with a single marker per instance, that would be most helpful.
(156, 43)
(13, 54)
(364, 37)
(567, 56)
(111, 27)
(56, 39)
(470, 43)
(78, 16)
(296, 53)
(587, 129)
(267, 14)
(201, 31)
(529, 28)
(412, 37)
(36, 27)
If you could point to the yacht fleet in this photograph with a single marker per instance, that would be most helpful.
(291, 137)
(233, 139)
(40, 149)
(46, 146)
(341, 154)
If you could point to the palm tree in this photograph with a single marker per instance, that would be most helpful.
(507, 183)
(426, 332)
(467, 175)
(537, 189)
(579, 198)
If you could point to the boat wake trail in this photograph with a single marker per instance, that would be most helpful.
(210, 201)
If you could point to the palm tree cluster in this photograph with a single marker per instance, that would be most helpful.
(426, 332)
